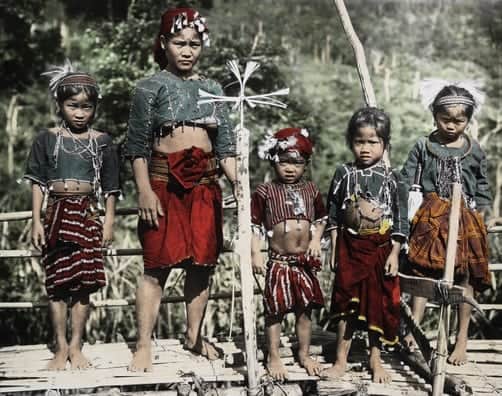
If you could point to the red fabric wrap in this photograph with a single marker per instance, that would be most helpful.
(191, 228)
(291, 284)
(361, 287)
(428, 237)
(72, 258)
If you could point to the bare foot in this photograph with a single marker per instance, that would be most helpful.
(205, 348)
(459, 355)
(380, 375)
(142, 359)
(78, 360)
(336, 371)
(276, 368)
(409, 342)
(58, 362)
(312, 366)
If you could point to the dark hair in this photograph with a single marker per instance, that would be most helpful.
(369, 116)
(453, 90)
(64, 92)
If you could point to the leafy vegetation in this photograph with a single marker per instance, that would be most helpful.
(299, 44)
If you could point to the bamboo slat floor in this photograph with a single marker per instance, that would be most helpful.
(22, 370)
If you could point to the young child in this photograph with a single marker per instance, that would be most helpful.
(445, 156)
(292, 211)
(73, 164)
(368, 224)
(176, 147)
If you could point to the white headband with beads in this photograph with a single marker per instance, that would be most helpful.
(430, 88)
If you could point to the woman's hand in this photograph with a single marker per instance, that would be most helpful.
(150, 208)
(37, 235)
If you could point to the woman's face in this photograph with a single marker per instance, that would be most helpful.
(182, 51)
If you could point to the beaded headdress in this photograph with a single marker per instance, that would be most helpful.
(430, 88)
(174, 20)
(289, 140)
(65, 75)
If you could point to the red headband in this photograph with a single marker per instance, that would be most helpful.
(297, 140)
(174, 20)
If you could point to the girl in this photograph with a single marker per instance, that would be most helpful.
(175, 146)
(445, 156)
(73, 165)
(368, 223)
(292, 212)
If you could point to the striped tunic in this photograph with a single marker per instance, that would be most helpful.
(274, 202)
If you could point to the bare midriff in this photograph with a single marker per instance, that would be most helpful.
(71, 187)
(184, 137)
(294, 241)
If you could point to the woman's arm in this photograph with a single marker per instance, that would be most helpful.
(149, 206)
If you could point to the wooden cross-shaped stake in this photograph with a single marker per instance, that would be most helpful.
(243, 195)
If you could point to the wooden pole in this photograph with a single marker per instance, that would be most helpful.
(438, 371)
(362, 67)
(244, 251)
(361, 64)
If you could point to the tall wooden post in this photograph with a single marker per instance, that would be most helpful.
(243, 245)
(243, 249)
(438, 370)
(362, 66)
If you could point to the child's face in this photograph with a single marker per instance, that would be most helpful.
(78, 111)
(182, 51)
(290, 169)
(367, 146)
(451, 123)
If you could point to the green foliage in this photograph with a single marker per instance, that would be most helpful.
(300, 45)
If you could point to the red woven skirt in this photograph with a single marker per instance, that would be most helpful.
(190, 232)
(72, 258)
(361, 289)
(429, 235)
(291, 284)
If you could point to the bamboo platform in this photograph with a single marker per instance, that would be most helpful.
(22, 370)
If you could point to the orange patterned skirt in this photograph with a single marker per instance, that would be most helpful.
(428, 238)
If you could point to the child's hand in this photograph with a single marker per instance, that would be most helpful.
(150, 208)
(37, 235)
(107, 233)
(391, 265)
(258, 264)
(314, 248)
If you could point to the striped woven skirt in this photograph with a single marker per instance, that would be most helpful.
(428, 239)
(291, 284)
(72, 257)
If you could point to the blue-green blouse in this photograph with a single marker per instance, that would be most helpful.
(165, 98)
(472, 158)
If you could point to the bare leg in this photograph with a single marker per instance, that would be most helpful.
(343, 342)
(275, 366)
(418, 310)
(380, 375)
(57, 312)
(459, 354)
(79, 312)
(196, 296)
(304, 333)
(148, 297)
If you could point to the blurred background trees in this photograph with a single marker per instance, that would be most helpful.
(300, 44)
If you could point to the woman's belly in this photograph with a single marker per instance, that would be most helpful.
(183, 137)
